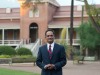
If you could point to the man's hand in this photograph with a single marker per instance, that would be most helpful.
(52, 67)
(49, 66)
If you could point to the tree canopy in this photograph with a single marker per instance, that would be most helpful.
(94, 14)
(28, 4)
(89, 37)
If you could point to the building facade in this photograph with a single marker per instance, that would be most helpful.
(25, 25)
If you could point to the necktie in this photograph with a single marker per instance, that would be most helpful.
(50, 52)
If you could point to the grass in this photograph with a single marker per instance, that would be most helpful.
(15, 72)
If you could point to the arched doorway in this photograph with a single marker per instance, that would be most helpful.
(33, 32)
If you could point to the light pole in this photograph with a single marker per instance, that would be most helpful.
(71, 28)
(71, 22)
(71, 25)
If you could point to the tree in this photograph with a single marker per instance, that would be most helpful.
(63, 33)
(89, 37)
(28, 4)
(93, 13)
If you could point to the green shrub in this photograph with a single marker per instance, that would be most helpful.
(24, 51)
(5, 56)
(64, 43)
(26, 56)
(7, 50)
(23, 59)
(76, 52)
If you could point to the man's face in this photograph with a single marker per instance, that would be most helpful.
(49, 37)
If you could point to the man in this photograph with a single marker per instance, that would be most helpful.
(51, 57)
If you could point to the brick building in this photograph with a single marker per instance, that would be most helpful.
(22, 25)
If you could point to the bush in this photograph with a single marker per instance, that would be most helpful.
(23, 59)
(24, 51)
(76, 52)
(7, 50)
(64, 43)
(25, 56)
(5, 56)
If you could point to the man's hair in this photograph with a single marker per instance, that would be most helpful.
(49, 30)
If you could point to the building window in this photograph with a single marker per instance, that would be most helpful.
(8, 10)
(0, 34)
(36, 13)
(31, 13)
(5, 37)
(79, 8)
(15, 34)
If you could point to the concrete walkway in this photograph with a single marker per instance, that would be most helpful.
(88, 68)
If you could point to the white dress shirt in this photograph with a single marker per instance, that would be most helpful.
(52, 46)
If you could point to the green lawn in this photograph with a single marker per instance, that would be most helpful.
(15, 72)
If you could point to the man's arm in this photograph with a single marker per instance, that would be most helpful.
(39, 60)
(63, 59)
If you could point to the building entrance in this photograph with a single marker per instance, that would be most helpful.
(33, 32)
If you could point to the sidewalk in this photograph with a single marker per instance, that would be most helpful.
(88, 68)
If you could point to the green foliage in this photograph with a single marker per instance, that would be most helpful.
(64, 43)
(5, 56)
(23, 59)
(69, 52)
(93, 12)
(29, 4)
(63, 33)
(24, 51)
(76, 52)
(7, 50)
(89, 37)
(25, 56)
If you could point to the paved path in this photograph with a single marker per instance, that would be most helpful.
(88, 68)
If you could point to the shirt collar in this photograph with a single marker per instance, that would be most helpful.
(52, 45)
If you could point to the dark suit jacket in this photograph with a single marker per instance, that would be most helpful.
(58, 59)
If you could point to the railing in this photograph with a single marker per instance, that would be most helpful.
(75, 41)
(19, 45)
(35, 48)
(9, 42)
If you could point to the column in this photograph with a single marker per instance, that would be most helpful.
(67, 36)
(3, 36)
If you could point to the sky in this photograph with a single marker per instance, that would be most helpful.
(68, 2)
(14, 3)
(9, 3)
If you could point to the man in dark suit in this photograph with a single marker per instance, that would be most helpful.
(51, 57)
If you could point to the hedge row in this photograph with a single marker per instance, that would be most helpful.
(18, 59)
(7, 50)
(23, 60)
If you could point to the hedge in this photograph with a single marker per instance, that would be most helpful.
(7, 50)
